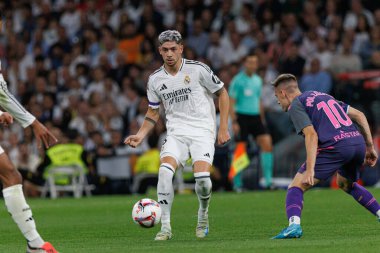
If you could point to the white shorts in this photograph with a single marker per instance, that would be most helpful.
(1, 150)
(183, 147)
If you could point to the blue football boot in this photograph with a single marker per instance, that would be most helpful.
(293, 231)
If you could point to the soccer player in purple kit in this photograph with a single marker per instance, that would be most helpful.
(333, 144)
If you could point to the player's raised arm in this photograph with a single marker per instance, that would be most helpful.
(223, 134)
(150, 120)
(12, 106)
(361, 121)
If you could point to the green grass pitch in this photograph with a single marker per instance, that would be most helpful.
(332, 222)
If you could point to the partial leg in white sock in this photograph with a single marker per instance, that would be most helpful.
(165, 193)
(203, 187)
(22, 214)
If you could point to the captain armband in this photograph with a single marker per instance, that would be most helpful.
(150, 120)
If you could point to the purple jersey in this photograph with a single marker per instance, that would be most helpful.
(328, 117)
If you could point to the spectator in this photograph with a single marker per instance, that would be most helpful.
(294, 63)
(290, 24)
(198, 39)
(361, 36)
(308, 46)
(270, 26)
(316, 79)
(368, 47)
(222, 17)
(130, 43)
(330, 12)
(345, 61)
(215, 51)
(357, 9)
(70, 19)
(323, 54)
(233, 48)
(243, 21)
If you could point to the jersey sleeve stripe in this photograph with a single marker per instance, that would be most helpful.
(183, 63)
(200, 64)
(155, 72)
(11, 97)
(154, 103)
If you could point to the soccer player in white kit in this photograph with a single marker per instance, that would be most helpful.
(11, 178)
(185, 88)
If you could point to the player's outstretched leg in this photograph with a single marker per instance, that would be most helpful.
(17, 207)
(365, 198)
(165, 196)
(22, 215)
(294, 205)
(203, 187)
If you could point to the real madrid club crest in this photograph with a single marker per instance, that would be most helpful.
(187, 79)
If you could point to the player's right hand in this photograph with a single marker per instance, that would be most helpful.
(133, 140)
(308, 177)
(370, 157)
(6, 119)
(43, 135)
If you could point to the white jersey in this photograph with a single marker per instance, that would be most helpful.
(9, 103)
(187, 98)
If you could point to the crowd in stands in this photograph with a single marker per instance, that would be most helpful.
(84, 64)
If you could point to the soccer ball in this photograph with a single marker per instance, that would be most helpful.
(146, 213)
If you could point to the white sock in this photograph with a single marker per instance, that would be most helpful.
(165, 193)
(203, 187)
(378, 214)
(294, 220)
(22, 214)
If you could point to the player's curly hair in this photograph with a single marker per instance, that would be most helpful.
(170, 35)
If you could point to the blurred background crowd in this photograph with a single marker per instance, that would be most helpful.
(81, 67)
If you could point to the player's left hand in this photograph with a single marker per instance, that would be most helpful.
(308, 177)
(370, 157)
(6, 119)
(223, 136)
(43, 135)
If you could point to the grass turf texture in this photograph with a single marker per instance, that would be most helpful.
(332, 222)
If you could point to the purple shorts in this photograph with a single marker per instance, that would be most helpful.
(347, 160)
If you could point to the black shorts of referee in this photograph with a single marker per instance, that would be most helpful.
(250, 124)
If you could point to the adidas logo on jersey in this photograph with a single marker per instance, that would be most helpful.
(207, 154)
(163, 87)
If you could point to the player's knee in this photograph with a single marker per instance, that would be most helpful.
(9, 175)
(201, 166)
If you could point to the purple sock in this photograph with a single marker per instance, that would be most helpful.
(365, 198)
(294, 202)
